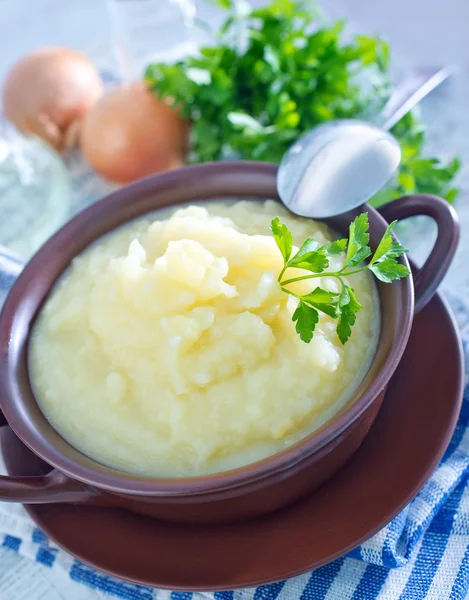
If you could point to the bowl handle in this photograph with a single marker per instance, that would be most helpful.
(44, 489)
(429, 276)
(41, 489)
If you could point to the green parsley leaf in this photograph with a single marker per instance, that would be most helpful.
(319, 296)
(359, 237)
(353, 303)
(348, 307)
(306, 318)
(347, 298)
(322, 300)
(315, 261)
(328, 309)
(360, 255)
(389, 270)
(395, 252)
(388, 246)
(309, 245)
(283, 238)
(344, 297)
(336, 248)
(347, 320)
(385, 244)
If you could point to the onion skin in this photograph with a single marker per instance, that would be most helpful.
(130, 134)
(48, 90)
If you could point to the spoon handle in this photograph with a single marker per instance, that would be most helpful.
(410, 92)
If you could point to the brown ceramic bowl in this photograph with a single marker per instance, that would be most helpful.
(240, 493)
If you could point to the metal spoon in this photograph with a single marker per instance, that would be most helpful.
(341, 164)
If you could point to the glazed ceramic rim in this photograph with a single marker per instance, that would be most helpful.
(212, 181)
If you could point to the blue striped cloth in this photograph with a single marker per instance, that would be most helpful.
(422, 554)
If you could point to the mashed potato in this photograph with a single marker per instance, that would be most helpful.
(167, 348)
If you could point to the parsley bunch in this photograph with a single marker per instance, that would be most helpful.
(314, 258)
(274, 73)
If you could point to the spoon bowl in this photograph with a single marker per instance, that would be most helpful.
(336, 167)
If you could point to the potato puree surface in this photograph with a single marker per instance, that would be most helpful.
(167, 348)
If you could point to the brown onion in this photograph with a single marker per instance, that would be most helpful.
(48, 91)
(130, 134)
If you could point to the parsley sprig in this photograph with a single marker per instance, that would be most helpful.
(315, 258)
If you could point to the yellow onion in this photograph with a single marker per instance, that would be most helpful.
(129, 133)
(48, 91)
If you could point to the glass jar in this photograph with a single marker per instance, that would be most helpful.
(35, 192)
(150, 30)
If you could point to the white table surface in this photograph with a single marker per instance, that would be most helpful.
(421, 32)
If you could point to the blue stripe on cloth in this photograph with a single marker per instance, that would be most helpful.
(371, 582)
(223, 596)
(97, 581)
(181, 596)
(40, 538)
(447, 514)
(321, 580)
(390, 557)
(433, 496)
(433, 547)
(11, 542)
(461, 427)
(46, 556)
(461, 583)
(355, 553)
(269, 592)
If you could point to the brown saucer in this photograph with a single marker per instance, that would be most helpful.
(405, 444)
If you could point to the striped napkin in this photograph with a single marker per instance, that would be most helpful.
(422, 554)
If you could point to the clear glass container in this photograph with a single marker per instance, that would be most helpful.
(150, 30)
(35, 191)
